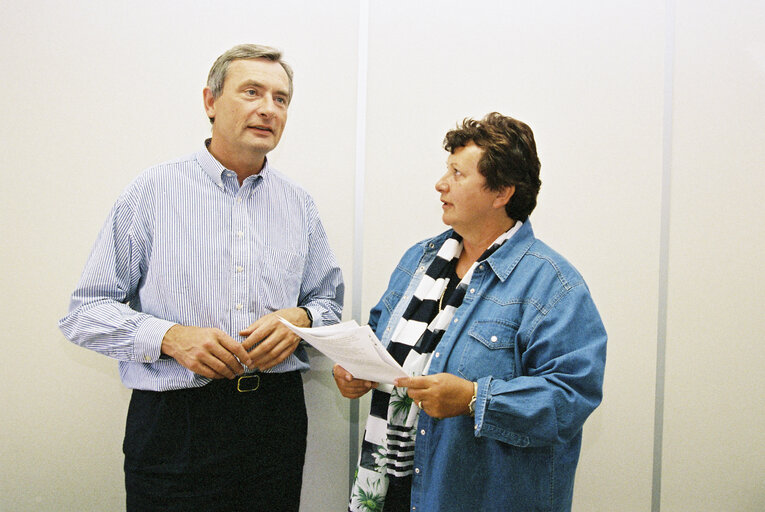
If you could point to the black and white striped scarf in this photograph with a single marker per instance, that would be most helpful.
(388, 445)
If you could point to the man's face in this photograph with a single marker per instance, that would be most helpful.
(251, 111)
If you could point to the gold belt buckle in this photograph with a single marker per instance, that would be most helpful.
(243, 386)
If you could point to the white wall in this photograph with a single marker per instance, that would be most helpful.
(714, 436)
(94, 92)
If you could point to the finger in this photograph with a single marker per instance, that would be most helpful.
(414, 395)
(341, 373)
(275, 358)
(208, 358)
(273, 351)
(353, 391)
(263, 329)
(236, 350)
(411, 382)
(246, 332)
(222, 363)
(205, 370)
(227, 351)
(263, 349)
(266, 324)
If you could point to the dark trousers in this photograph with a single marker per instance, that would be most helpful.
(217, 448)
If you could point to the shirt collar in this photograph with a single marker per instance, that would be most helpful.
(214, 169)
(504, 259)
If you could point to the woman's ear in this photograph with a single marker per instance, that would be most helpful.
(503, 196)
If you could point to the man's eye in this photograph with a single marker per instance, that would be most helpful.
(280, 100)
(250, 92)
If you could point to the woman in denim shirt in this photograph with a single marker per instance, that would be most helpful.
(503, 341)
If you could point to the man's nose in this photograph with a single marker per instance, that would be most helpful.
(266, 106)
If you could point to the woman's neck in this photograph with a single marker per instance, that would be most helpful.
(475, 244)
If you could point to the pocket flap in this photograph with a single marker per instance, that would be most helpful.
(494, 334)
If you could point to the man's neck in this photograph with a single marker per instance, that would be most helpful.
(243, 164)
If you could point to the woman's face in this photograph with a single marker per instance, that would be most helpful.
(467, 203)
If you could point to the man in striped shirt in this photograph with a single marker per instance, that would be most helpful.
(184, 286)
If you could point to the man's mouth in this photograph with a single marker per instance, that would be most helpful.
(262, 128)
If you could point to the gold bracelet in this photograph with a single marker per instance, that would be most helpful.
(471, 405)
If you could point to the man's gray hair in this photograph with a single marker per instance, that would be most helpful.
(219, 69)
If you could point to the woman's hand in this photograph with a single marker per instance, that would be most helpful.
(349, 386)
(442, 395)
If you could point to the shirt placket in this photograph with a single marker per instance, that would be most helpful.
(239, 299)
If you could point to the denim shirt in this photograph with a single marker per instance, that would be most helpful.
(529, 333)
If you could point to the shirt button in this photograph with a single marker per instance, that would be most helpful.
(493, 339)
(239, 268)
(455, 320)
(422, 432)
(472, 290)
(147, 358)
(240, 234)
(480, 267)
(417, 470)
(238, 199)
(239, 306)
(437, 354)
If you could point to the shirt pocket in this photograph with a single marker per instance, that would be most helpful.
(391, 299)
(280, 278)
(489, 350)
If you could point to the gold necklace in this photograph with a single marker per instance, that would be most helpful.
(441, 298)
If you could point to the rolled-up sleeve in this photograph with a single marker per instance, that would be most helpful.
(322, 289)
(561, 381)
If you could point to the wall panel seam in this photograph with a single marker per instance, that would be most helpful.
(666, 181)
(358, 223)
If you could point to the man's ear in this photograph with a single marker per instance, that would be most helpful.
(209, 102)
(503, 196)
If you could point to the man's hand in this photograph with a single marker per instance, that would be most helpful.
(273, 342)
(205, 351)
(349, 386)
(442, 395)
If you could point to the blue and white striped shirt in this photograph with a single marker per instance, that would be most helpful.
(185, 244)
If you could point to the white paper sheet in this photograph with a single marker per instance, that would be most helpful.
(354, 347)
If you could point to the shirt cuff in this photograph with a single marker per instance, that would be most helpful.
(314, 316)
(480, 405)
(147, 345)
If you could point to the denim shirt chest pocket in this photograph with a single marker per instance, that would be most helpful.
(489, 350)
(390, 300)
